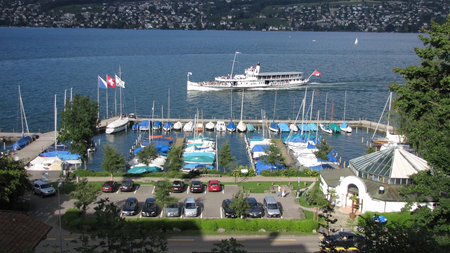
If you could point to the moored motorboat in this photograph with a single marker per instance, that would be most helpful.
(325, 128)
(252, 79)
(188, 127)
(178, 126)
(220, 126)
(210, 126)
(293, 128)
(250, 127)
(335, 128)
(241, 127)
(117, 125)
(284, 128)
(231, 127)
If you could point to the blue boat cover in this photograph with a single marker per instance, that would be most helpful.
(303, 127)
(145, 125)
(344, 125)
(63, 155)
(259, 148)
(21, 143)
(312, 127)
(274, 126)
(231, 126)
(284, 127)
(324, 166)
(143, 169)
(158, 141)
(168, 125)
(157, 124)
(331, 157)
(260, 166)
(250, 127)
(194, 165)
(162, 150)
(135, 126)
(199, 154)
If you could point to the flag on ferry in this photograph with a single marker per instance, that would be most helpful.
(316, 73)
(101, 83)
(189, 73)
(119, 82)
(111, 82)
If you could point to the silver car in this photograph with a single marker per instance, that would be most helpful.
(190, 207)
(173, 210)
(43, 188)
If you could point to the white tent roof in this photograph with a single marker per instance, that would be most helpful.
(394, 162)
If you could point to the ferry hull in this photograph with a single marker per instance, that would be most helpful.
(215, 86)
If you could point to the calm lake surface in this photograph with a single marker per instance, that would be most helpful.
(45, 62)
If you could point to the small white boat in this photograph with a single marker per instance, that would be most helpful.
(210, 126)
(178, 126)
(220, 126)
(326, 128)
(199, 127)
(188, 127)
(117, 125)
(241, 127)
(293, 128)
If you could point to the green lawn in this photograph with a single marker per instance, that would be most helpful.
(253, 186)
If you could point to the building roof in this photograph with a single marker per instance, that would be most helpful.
(20, 232)
(394, 162)
(333, 177)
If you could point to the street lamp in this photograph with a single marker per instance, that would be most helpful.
(59, 208)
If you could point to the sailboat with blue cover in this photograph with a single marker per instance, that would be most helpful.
(24, 140)
(169, 125)
(344, 126)
(231, 127)
(273, 126)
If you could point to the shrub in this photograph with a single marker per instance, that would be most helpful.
(227, 224)
(241, 224)
(209, 225)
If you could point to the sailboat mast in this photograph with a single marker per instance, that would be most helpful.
(326, 101)
(168, 108)
(23, 113)
(232, 68)
(120, 89)
(303, 113)
(21, 109)
(275, 105)
(242, 104)
(345, 103)
(332, 110)
(56, 113)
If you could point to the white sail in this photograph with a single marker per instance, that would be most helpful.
(356, 41)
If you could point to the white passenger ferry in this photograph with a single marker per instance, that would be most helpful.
(252, 80)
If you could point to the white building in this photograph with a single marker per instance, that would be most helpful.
(375, 178)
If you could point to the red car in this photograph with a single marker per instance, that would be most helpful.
(213, 186)
(109, 186)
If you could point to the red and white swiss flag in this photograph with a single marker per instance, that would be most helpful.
(110, 81)
(316, 73)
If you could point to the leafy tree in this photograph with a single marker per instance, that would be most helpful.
(148, 154)
(225, 158)
(78, 125)
(273, 156)
(162, 193)
(370, 150)
(13, 182)
(423, 116)
(112, 161)
(85, 194)
(423, 104)
(228, 246)
(239, 203)
(115, 234)
(175, 159)
(396, 237)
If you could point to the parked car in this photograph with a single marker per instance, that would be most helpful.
(227, 211)
(127, 185)
(342, 239)
(150, 208)
(130, 207)
(178, 186)
(190, 207)
(213, 186)
(255, 210)
(43, 188)
(271, 207)
(173, 210)
(109, 186)
(196, 186)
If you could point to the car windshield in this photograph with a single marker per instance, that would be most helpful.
(253, 205)
(130, 204)
(272, 206)
(150, 205)
(190, 206)
(126, 183)
(44, 186)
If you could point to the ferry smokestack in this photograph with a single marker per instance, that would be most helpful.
(258, 66)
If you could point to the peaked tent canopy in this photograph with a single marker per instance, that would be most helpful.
(393, 165)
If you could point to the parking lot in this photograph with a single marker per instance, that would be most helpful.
(209, 203)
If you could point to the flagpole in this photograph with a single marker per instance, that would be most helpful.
(98, 97)
(120, 98)
(107, 98)
(115, 102)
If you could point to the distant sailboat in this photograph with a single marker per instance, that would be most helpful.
(356, 41)
(231, 127)
(242, 127)
(168, 126)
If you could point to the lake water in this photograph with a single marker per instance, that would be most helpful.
(45, 62)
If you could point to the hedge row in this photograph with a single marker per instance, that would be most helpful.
(74, 221)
